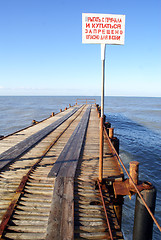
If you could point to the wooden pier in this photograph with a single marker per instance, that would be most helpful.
(49, 180)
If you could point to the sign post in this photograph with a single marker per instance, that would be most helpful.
(103, 29)
(103, 48)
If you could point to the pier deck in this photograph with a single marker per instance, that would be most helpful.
(48, 176)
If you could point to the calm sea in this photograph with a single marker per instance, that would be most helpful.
(137, 123)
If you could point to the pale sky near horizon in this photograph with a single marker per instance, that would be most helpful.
(41, 50)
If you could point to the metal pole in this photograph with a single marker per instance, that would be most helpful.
(103, 46)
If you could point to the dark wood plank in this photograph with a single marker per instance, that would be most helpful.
(61, 218)
(20, 148)
(55, 217)
(67, 229)
(68, 159)
(68, 168)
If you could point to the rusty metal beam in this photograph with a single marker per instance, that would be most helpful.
(104, 206)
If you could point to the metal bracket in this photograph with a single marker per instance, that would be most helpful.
(123, 188)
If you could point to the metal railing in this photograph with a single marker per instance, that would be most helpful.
(137, 190)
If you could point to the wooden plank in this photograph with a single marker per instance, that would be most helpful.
(61, 218)
(68, 159)
(67, 229)
(79, 139)
(55, 217)
(19, 149)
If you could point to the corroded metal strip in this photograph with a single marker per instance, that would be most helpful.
(103, 202)
(13, 203)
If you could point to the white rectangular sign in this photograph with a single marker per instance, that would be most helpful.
(103, 28)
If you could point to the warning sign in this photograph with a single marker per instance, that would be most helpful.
(103, 28)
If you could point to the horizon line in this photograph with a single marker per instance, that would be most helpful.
(79, 96)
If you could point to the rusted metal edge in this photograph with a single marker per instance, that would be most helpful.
(104, 207)
(7, 215)
(123, 188)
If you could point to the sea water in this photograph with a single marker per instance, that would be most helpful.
(136, 122)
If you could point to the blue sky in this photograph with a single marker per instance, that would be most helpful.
(41, 50)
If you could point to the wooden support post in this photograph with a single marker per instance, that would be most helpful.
(115, 142)
(60, 110)
(52, 114)
(118, 208)
(104, 118)
(107, 125)
(1, 137)
(134, 172)
(34, 122)
(111, 132)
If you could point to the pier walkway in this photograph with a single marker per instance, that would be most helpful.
(48, 180)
